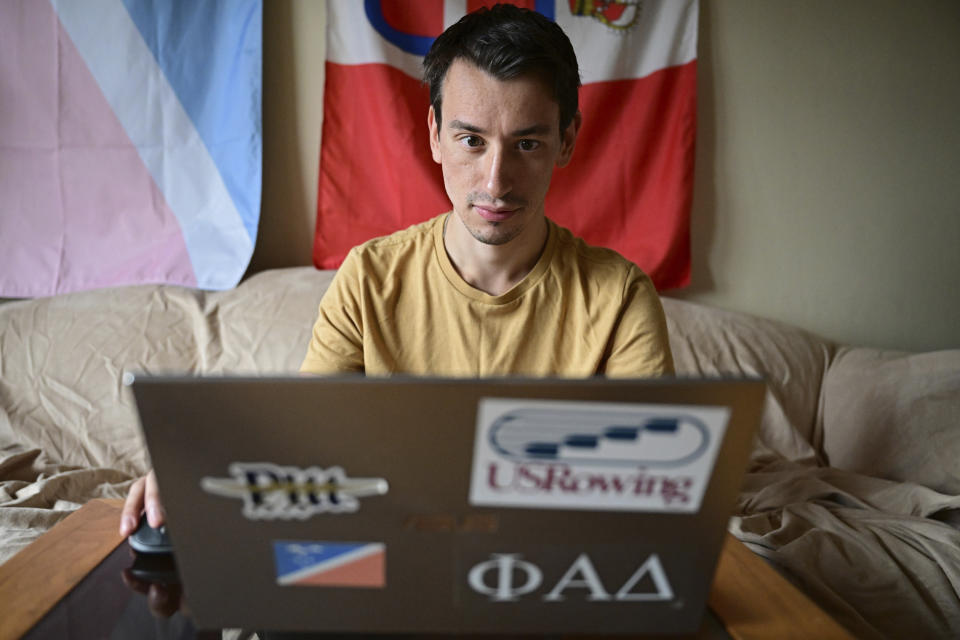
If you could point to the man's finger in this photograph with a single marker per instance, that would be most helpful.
(132, 508)
(155, 514)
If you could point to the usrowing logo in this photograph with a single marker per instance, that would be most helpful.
(600, 436)
(270, 491)
(585, 455)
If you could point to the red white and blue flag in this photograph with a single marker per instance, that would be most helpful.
(130, 143)
(630, 183)
(330, 564)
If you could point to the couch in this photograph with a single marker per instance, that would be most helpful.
(853, 490)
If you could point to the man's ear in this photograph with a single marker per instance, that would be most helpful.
(568, 140)
(434, 134)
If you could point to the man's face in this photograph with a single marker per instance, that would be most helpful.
(498, 144)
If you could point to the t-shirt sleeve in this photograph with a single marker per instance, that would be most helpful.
(336, 343)
(639, 346)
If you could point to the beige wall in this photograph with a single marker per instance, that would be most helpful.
(293, 54)
(828, 176)
(828, 162)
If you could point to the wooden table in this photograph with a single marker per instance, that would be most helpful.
(751, 599)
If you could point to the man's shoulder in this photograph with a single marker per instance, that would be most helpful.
(399, 245)
(600, 262)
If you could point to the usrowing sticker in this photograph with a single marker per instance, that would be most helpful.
(271, 491)
(553, 454)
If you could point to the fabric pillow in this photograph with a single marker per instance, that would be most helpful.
(895, 415)
(62, 359)
(707, 341)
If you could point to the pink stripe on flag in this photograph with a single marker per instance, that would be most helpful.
(118, 224)
(28, 143)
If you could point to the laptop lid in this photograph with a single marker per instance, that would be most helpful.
(428, 505)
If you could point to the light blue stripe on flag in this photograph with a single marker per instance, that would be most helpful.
(211, 54)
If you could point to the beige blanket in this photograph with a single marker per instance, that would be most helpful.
(852, 487)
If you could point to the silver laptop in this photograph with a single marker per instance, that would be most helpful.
(423, 505)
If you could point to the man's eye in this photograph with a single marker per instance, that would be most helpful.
(528, 145)
(471, 141)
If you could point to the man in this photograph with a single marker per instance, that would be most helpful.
(492, 288)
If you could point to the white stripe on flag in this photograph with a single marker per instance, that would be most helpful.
(333, 563)
(351, 39)
(165, 137)
(666, 36)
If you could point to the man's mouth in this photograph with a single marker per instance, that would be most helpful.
(494, 214)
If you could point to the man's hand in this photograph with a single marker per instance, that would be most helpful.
(143, 496)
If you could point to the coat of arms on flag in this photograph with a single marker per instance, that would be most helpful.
(630, 183)
(330, 564)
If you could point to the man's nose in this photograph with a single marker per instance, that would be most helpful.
(498, 180)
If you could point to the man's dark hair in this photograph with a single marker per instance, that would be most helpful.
(507, 42)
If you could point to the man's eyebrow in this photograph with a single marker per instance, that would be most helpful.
(465, 126)
(537, 129)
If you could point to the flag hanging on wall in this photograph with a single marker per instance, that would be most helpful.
(130, 143)
(630, 183)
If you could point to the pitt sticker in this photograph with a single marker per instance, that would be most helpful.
(271, 492)
(330, 564)
(554, 454)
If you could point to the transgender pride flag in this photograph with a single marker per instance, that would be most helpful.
(130, 143)
(630, 183)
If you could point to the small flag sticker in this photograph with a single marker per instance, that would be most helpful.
(330, 564)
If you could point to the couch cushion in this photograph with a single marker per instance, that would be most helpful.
(895, 415)
(707, 341)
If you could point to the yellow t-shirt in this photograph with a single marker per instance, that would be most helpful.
(397, 305)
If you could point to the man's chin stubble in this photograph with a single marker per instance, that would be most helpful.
(494, 239)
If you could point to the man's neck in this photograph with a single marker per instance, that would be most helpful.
(493, 269)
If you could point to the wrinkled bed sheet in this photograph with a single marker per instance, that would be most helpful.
(853, 490)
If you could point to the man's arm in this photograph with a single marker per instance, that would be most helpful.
(336, 343)
(639, 346)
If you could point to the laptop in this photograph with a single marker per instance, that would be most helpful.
(410, 505)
